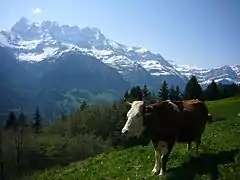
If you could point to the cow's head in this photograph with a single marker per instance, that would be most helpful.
(139, 115)
(135, 125)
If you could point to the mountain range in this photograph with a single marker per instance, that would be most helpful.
(53, 64)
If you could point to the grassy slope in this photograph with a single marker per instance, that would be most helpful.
(219, 155)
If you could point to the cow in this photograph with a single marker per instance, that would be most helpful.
(167, 122)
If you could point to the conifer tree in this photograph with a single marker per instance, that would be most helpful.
(36, 121)
(135, 93)
(172, 93)
(163, 93)
(22, 120)
(178, 93)
(11, 122)
(212, 92)
(84, 105)
(1, 153)
(193, 90)
(126, 95)
(145, 92)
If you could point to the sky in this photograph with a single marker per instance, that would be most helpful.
(203, 33)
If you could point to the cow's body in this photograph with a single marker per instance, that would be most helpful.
(167, 122)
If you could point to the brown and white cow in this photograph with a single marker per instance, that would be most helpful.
(165, 123)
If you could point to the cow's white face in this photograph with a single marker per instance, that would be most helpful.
(134, 125)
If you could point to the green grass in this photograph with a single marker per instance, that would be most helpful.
(219, 155)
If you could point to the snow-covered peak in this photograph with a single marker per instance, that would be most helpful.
(93, 32)
(225, 73)
(236, 68)
(49, 24)
(184, 67)
(141, 50)
(21, 24)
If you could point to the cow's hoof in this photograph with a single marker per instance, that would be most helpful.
(161, 173)
(154, 171)
(195, 154)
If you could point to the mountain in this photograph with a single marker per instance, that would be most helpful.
(59, 66)
(33, 42)
(223, 74)
(58, 85)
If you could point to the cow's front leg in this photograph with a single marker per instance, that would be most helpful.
(189, 149)
(158, 147)
(198, 142)
(166, 150)
(156, 167)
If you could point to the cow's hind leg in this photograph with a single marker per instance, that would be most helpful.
(161, 148)
(198, 143)
(189, 146)
(156, 167)
(189, 149)
(164, 158)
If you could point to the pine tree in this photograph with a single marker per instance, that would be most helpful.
(126, 95)
(163, 93)
(212, 92)
(145, 92)
(19, 139)
(1, 153)
(135, 93)
(178, 93)
(114, 105)
(36, 121)
(193, 90)
(11, 122)
(172, 94)
(84, 105)
(22, 120)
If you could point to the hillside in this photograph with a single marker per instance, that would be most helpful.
(58, 85)
(220, 155)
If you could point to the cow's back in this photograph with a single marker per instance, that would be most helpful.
(193, 120)
(165, 123)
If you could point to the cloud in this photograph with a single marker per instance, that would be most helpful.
(36, 10)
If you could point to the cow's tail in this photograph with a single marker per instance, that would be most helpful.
(209, 117)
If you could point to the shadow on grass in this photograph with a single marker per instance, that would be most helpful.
(204, 164)
(219, 119)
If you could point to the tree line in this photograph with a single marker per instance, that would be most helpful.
(28, 145)
(193, 90)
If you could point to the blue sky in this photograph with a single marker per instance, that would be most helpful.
(203, 33)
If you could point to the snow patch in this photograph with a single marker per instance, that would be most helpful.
(29, 44)
(101, 54)
(4, 41)
(114, 44)
(142, 50)
(38, 57)
(156, 68)
(219, 80)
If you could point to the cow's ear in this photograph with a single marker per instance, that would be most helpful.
(127, 102)
(148, 109)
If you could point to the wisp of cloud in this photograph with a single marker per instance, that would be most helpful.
(36, 10)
